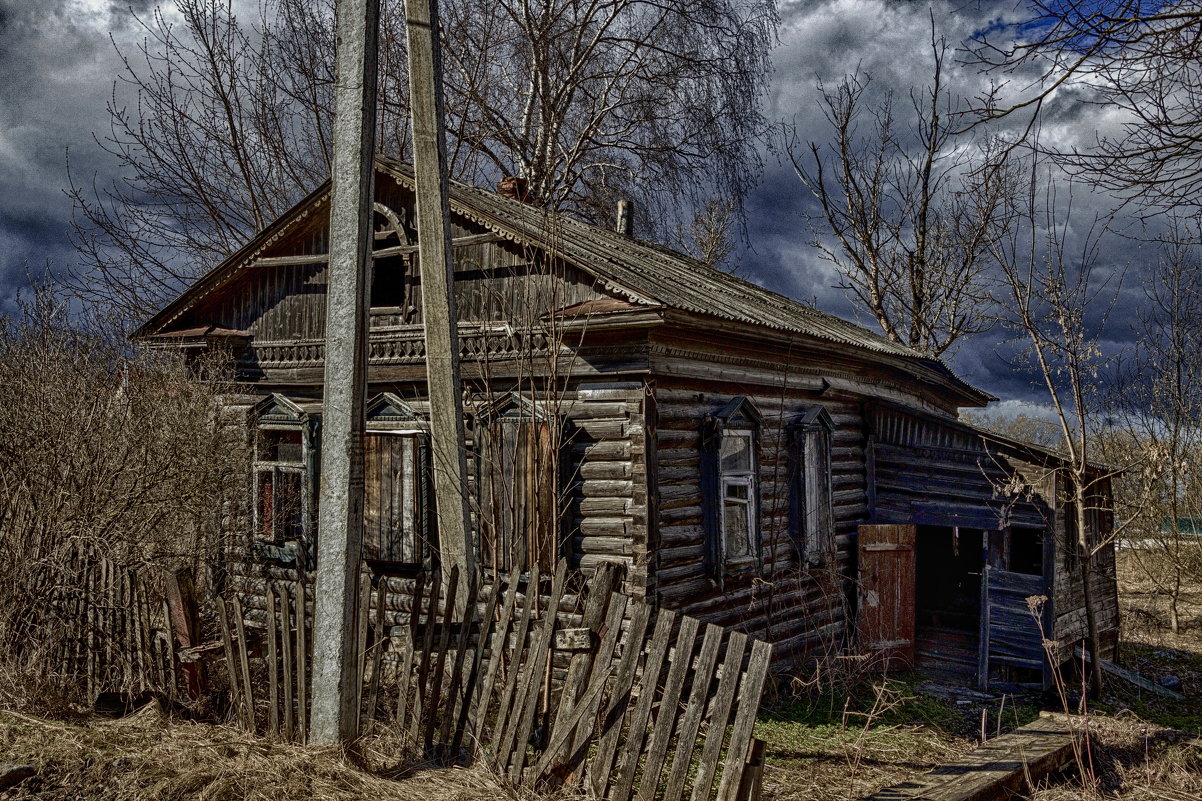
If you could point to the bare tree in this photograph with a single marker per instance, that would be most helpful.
(909, 212)
(1142, 61)
(1046, 294)
(1162, 420)
(103, 454)
(227, 122)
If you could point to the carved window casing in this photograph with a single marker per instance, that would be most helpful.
(731, 489)
(812, 504)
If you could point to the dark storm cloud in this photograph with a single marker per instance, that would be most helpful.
(56, 70)
(890, 44)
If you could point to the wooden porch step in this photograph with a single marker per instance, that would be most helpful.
(1000, 767)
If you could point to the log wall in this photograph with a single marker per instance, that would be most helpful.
(784, 601)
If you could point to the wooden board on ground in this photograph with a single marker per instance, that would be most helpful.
(999, 768)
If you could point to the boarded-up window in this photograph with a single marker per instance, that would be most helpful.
(812, 507)
(396, 527)
(519, 489)
(279, 485)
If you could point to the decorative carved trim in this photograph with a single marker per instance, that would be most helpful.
(407, 348)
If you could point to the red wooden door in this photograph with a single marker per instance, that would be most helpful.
(886, 602)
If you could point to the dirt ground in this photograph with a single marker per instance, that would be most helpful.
(830, 745)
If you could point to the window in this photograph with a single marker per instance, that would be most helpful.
(519, 487)
(279, 484)
(730, 489)
(398, 532)
(395, 500)
(813, 516)
(1026, 550)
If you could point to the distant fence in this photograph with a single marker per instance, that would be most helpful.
(551, 683)
(112, 631)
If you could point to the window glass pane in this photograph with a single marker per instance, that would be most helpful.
(736, 453)
(738, 491)
(735, 524)
(288, 511)
(280, 446)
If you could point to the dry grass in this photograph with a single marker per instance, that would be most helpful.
(149, 756)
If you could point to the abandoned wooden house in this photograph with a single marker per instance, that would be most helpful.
(752, 461)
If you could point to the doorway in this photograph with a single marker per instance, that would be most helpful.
(949, 562)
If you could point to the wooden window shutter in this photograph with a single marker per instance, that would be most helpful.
(519, 477)
(711, 507)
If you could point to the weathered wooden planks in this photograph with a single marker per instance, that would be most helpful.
(1005, 765)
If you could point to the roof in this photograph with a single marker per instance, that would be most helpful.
(644, 273)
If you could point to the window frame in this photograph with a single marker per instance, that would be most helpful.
(740, 419)
(275, 469)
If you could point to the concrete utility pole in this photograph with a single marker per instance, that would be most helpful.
(335, 716)
(437, 275)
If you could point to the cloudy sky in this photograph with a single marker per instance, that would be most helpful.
(58, 67)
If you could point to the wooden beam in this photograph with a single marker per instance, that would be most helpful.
(301, 259)
(447, 438)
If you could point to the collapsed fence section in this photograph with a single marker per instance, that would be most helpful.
(551, 680)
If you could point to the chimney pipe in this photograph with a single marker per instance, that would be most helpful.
(626, 217)
(513, 188)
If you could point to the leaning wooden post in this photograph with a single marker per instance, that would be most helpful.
(437, 277)
(334, 717)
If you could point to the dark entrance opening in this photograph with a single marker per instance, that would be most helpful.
(947, 571)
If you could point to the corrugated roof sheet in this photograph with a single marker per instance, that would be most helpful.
(654, 274)
(643, 272)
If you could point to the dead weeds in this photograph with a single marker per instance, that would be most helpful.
(149, 756)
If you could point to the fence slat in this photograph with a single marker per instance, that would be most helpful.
(610, 730)
(273, 697)
(689, 725)
(286, 655)
(505, 709)
(749, 703)
(535, 676)
(665, 719)
(658, 651)
(444, 641)
(302, 663)
(736, 646)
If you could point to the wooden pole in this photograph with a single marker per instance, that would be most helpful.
(437, 277)
(334, 717)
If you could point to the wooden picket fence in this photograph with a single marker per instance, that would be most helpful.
(113, 631)
(549, 686)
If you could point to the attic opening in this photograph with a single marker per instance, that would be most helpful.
(389, 283)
